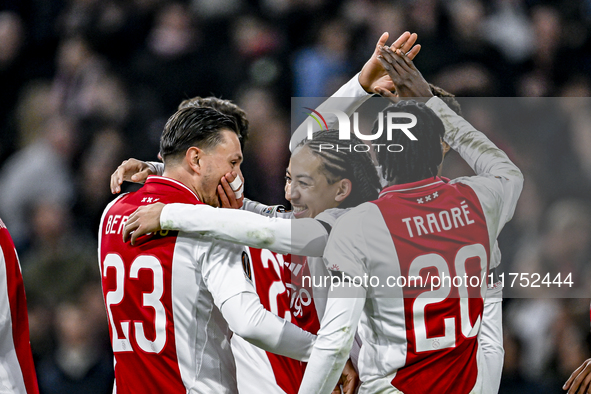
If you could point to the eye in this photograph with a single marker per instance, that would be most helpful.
(288, 179)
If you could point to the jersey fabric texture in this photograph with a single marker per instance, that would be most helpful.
(163, 301)
(17, 372)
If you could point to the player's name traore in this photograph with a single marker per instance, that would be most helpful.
(443, 221)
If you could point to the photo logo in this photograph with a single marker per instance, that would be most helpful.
(345, 129)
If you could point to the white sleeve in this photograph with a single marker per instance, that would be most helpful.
(491, 343)
(156, 167)
(334, 342)
(498, 183)
(347, 99)
(236, 298)
(344, 306)
(272, 211)
(247, 317)
(304, 237)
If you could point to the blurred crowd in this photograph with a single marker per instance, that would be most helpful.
(88, 83)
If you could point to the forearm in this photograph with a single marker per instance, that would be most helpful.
(304, 237)
(333, 344)
(347, 99)
(156, 167)
(248, 319)
(491, 343)
(474, 147)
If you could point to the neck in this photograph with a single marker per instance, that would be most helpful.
(178, 173)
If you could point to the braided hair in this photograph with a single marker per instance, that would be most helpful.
(418, 159)
(343, 162)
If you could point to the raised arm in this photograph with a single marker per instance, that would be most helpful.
(360, 88)
(500, 182)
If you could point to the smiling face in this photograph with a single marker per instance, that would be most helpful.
(307, 188)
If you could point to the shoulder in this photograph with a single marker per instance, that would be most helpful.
(353, 220)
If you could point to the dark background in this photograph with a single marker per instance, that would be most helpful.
(88, 83)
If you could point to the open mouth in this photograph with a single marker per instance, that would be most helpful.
(299, 211)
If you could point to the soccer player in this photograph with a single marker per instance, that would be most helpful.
(417, 339)
(306, 238)
(16, 360)
(173, 302)
(257, 369)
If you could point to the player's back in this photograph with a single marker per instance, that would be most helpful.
(420, 336)
(167, 334)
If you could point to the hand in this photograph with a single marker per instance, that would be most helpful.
(407, 80)
(131, 170)
(226, 194)
(144, 220)
(349, 380)
(578, 383)
(373, 74)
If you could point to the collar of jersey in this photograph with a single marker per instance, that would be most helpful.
(169, 181)
(403, 187)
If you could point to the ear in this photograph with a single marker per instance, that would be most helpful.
(445, 147)
(193, 158)
(344, 189)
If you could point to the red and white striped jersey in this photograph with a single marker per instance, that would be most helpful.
(163, 301)
(17, 372)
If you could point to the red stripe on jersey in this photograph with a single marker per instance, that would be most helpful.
(272, 275)
(152, 366)
(434, 220)
(303, 308)
(18, 312)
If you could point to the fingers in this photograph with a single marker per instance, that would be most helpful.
(349, 386)
(240, 202)
(401, 40)
(130, 226)
(413, 52)
(572, 377)
(224, 201)
(384, 92)
(230, 176)
(117, 179)
(580, 379)
(382, 41)
(140, 177)
(395, 65)
(229, 193)
(406, 46)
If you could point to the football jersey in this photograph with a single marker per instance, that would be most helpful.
(440, 229)
(258, 370)
(277, 279)
(419, 338)
(17, 372)
(163, 298)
